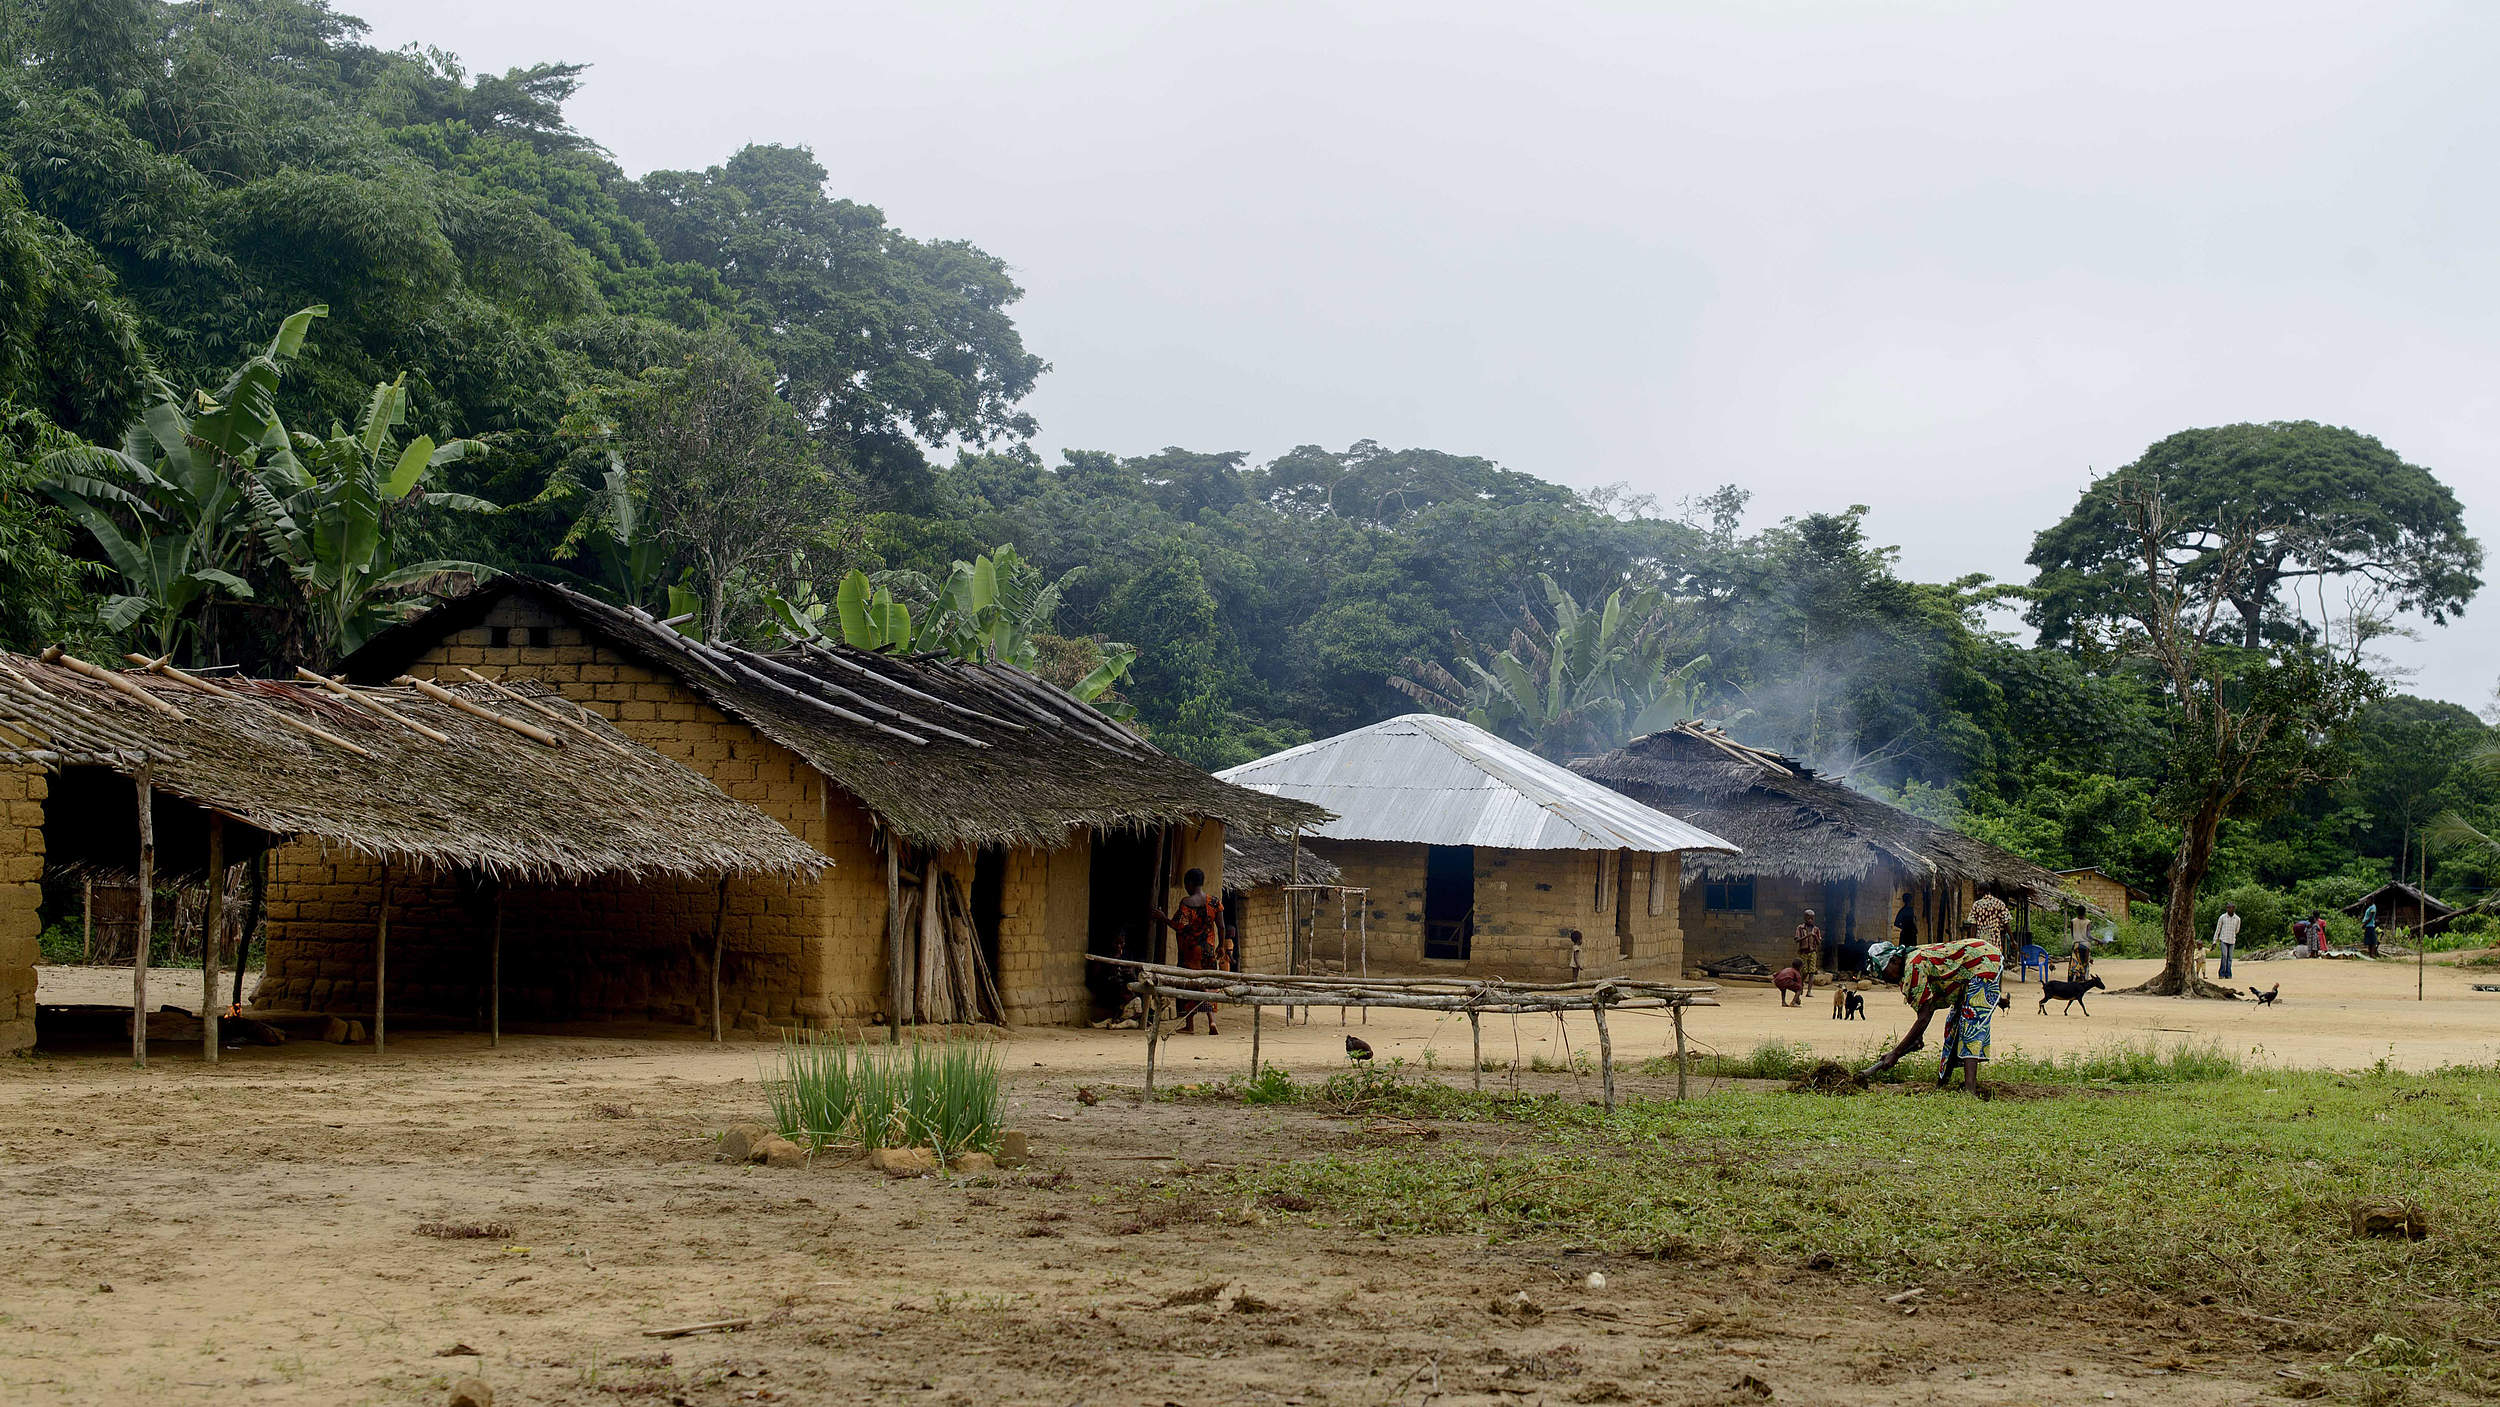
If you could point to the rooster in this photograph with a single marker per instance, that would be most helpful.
(2266, 998)
(1356, 1048)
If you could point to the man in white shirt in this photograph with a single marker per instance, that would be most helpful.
(2227, 936)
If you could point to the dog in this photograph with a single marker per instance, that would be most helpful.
(2266, 998)
(2071, 993)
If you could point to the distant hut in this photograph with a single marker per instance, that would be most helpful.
(2102, 890)
(1483, 858)
(460, 805)
(1262, 877)
(1803, 842)
(958, 798)
(2400, 905)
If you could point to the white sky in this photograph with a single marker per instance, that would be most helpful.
(1943, 259)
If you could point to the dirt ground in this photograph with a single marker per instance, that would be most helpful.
(249, 1233)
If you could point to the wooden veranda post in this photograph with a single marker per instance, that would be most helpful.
(1605, 1050)
(893, 938)
(211, 924)
(86, 916)
(1254, 1040)
(494, 974)
(147, 919)
(720, 910)
(1475, 1043)
(381, 955)
(1680, 1062)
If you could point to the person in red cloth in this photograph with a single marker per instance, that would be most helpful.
(1197, 923)
(1791, 980)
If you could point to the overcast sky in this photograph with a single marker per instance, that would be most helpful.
(1941, 259)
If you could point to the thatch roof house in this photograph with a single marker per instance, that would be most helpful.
(443, 788)
(2400, 905)
(1481, 857)
(1803, 842)
(971, 805)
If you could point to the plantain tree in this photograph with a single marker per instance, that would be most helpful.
(329, 510)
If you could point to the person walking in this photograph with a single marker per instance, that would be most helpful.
(2369, 929)
(1809, 948)
(2227, 936)
(1995, 921)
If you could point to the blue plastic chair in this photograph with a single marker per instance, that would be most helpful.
(2033, 955)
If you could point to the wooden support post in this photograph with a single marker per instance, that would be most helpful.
(210, 923)
(1681, 1065)
(147, 920)
(86, 915)
(720, 911)
(1605, 1050)
(894, 970)
(1154, 1032)
(255, 908)
(381, 956)
(1255, 1012)
(494, 974)
(1475, 1044)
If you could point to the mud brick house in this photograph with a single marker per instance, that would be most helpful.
(1002, 826)
(1484, 859)
(1804, 841)
(1260, 875)
(444, 809)
(2102, 890)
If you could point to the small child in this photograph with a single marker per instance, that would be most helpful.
(1791, 981)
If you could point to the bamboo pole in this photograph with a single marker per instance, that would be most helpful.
(2421, 927)
(114, 681)
(283, 718)
(494, 979)
(373, 704)
(535, 706)
(720, 911)
(1475, 1044)
(210, 924)
(147, 920)
(381, 955)
(444, 696)
(255, 908)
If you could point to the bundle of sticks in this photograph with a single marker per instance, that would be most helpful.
(1413, 993)
(951, 978)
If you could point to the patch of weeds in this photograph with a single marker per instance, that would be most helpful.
(1271, 1086)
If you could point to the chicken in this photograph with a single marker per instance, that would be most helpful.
(1356, 1048)
(2266, 998)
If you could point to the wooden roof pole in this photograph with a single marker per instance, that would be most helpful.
(111, 680)
(374, 704)
(147, 919)
(441, 695)
(535, 706)
(199, 685)
(381, 954)
(211, 921)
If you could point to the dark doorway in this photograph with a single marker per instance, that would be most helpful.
(989, 901)
(1449, 901)
(1625, 898)
(1115, 917)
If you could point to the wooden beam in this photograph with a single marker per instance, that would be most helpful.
(210, 922)
(371, 703)
(381, 956)
(199, 685)
(720, 911)
(894, 971)
(445, 696)
(535, 706)
(112, 680)
(147, 919)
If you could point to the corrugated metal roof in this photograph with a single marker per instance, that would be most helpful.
(1443, 781)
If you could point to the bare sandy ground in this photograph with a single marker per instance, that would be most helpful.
(249, 1234)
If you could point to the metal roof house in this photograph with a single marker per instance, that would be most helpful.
(1481, 857)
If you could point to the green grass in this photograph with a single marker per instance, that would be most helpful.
(942, 1094)
(2192, 1182)
(2145, 1061)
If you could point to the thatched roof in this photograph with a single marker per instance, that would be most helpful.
(943, 752)
(490, 800)
(1253, 861)
(1788, 821)
(2385, 896)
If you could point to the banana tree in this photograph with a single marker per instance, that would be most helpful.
(612, 532)
(987, 609)
(168, 506)
(326, 508)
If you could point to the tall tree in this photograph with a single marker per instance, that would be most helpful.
(2330, 506)
(2247, 727)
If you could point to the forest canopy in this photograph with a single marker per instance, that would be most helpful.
(732, 388)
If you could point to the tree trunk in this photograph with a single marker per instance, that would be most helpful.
(2178, 915)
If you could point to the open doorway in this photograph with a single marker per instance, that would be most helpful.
(1118, 894)
(1449, 902)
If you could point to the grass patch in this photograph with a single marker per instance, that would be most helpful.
(942, 1094)
(2194, 1184)
(2143, 1061)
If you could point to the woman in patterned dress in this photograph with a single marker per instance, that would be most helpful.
(1961, 978)
(1197, 922)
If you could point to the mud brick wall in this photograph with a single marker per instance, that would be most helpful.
(22, 794)
(1528, 902)
(1041, 934)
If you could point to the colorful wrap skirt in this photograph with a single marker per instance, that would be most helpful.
(1969, 1037)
